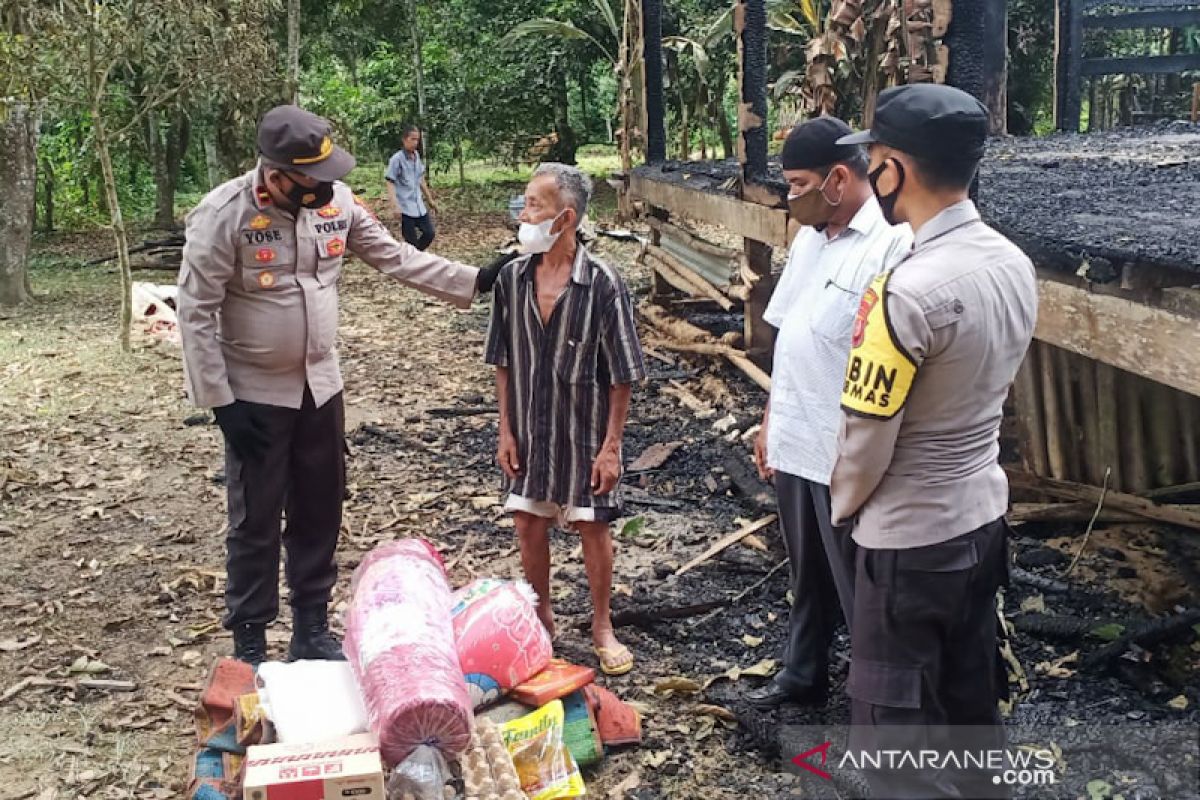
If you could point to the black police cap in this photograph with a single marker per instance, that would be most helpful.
(814, 144)
(300, 141)
(928, 121)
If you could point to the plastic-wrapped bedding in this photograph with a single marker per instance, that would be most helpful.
(400, 644)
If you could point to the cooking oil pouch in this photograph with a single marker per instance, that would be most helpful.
(544, 764)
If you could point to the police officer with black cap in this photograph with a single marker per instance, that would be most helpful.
(936, 345)
(258, 311)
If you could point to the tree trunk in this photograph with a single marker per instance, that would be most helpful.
(231, 148)
(120, 235)
(414, 24)
(462, 167)
(47, 174)
(723, 127)
(293, 51)
(564, 150)
(584, 79)
(168, 155)
(18, 199)
(212, 161)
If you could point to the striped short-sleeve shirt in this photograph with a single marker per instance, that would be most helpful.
(560, 373)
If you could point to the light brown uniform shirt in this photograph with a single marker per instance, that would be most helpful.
(258, 297)
(962, 308)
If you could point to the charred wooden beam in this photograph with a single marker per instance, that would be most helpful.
(1140, 65)
(656, 131)
(750, 27)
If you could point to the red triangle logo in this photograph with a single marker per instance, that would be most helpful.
(802, 760)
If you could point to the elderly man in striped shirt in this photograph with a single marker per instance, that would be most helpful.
(563, 340)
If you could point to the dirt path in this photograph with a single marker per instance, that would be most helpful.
(111, 514)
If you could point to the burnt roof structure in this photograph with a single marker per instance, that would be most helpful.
(1091, 203)
(1099, 201)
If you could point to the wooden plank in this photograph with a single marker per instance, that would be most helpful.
(693, 284)
(1089, 414)
(1076, 512)
(749, 220)
(1189, 435)
(1140, 65)
(1031, 421)
(1156, 343)
(1163, 432)
(727, 541)
(1145, 19)
(692, 240)
(1118, 501)
(1133, 451)
(1066, 372)
(1109, 431)
(760, 336)
(1136, 5)
(1055, 449)
(685, 337)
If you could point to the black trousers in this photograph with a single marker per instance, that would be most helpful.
(925, 669)
(418, 231)
(303, 473)
(821, 558)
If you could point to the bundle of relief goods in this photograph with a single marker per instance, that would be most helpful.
(400, 644)
(501, 641)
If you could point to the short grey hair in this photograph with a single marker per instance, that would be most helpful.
(574, 186)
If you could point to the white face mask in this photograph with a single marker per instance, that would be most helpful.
(538, 238)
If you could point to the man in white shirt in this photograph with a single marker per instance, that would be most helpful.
(845, 243)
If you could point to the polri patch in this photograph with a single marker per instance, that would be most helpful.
(264, 254)
(260, 222)
(880, 373)
(336, 246)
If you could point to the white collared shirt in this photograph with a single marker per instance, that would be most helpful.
(813, 307)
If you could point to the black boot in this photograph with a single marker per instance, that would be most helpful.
(311, 639)
(250, 643)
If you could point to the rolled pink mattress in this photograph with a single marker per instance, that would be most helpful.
(400, 644)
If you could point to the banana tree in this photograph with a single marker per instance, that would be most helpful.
(621, 45)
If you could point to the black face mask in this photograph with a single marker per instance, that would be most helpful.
(888, 203)
(318, 196)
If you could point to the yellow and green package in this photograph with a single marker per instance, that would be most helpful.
(544, 765)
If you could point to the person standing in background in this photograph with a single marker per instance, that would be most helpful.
(409, 190)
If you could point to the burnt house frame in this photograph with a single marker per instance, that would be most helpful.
(1112, 381)
(1073, 18)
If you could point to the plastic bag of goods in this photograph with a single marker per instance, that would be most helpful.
(544, 765)
(400, 644)
(311, 701)
(501, 641)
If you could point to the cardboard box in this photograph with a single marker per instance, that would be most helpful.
(348, 768)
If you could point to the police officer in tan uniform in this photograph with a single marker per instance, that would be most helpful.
(258, 312)
(936, 345)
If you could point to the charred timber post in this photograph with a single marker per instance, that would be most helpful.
(750, 24)
(978, 42)
(656, 132)
(1068, 64)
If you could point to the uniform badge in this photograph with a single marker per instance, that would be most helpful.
(358, 201)
(880, 372)
(336, 247)
(329, 212)
(266, 279)
(260, 222)
(264, 197)
(264, 255)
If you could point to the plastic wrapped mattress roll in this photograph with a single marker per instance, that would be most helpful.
(400, 644)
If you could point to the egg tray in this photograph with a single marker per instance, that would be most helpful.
(487, 768)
